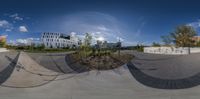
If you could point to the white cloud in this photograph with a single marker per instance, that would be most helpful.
(12, 41)
(33, 39)
(4, 23)
(16, 17)
(23, 41)
(8, 30)
(8, 26)
(102, 28)
(98, 24)
(73, 33)
(194, 24)
(23, 29)
(27, 41)
(119, 38)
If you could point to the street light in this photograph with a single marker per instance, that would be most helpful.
(119, 46)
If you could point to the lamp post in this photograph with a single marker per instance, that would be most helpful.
(119, 47)
(189, 49)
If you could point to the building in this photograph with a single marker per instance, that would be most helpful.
(105, 44)
(59, 40)
(196, 39)
(114, 45)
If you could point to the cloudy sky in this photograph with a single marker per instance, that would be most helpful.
(134, 21)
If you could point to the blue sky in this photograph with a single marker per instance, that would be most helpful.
(135, 21)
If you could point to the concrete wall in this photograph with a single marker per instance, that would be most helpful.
(171, 50)
(3, 50)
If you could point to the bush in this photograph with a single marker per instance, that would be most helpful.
(139, 48)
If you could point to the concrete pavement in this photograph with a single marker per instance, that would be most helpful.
(118, 83)
(167, 66)
(53, 61)
(27, 73)
(111, 84)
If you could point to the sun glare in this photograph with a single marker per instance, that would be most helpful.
(101, 39)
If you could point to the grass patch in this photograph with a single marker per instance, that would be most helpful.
(49, 50)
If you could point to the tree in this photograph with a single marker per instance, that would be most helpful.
(139, 47)
(87, 43)
(154, 44)
(182, 36)
(2, 41)
(40, 47)
(1, 44)
(88, 39)
(197, 44)
(167, 40)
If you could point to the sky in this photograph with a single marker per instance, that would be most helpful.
(134, 21)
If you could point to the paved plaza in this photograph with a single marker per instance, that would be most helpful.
(147, 76)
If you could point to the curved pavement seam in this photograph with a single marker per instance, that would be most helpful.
(163, 83)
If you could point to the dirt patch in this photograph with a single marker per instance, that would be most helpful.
(103, 62)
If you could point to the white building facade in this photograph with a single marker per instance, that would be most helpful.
(59, 40)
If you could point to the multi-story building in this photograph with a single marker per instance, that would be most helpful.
(59, 40)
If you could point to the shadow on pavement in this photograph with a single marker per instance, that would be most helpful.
(55, 62)
(74, 65)
(5, 74)
(163, 83)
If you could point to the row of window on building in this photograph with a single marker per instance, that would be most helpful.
(57, 40)
(51, 34)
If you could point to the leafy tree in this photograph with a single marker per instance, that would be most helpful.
(2, 42)
(182, 36)
(40, 47)
(88, 39)
(86, 45)
(154, 44)
(197, 44)
(139, 47)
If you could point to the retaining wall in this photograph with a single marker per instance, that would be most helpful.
(3, 50)
(171, 50)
